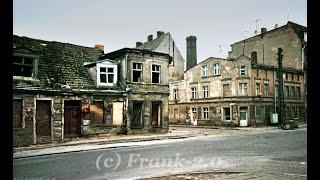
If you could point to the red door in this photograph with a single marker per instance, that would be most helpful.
(72, 117)
(43, 120)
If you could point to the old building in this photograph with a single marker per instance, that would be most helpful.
(62, 90)
(144, 75)
(164, 43)
(242, 90)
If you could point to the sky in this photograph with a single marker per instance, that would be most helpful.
(121, 23)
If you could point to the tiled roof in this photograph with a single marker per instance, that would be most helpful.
(59, 63)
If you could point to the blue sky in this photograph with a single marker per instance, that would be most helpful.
(120, 23)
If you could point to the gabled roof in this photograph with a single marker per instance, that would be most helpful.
(59, 64)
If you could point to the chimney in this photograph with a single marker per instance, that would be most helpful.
(159, 33)
(150, 38)
(191, 52)
(263, 30)
(99, 47)
(138, 44)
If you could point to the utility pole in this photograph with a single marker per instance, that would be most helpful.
(280, 89)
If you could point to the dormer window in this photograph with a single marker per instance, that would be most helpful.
(106, 75)
(24, 66)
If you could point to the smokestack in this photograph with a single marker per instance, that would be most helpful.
(263, 30)
(150, 38)
(138, 44)
(99, 47)
(159, 33)
(191, 52)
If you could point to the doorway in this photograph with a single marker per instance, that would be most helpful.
(72, 117)
(43, 121)
(155, 116)
(136, 114)
(243, 116)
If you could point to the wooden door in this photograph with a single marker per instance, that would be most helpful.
(17, 113)
(43, 120)
(136, 115)
(72, 117)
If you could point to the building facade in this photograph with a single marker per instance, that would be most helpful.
(242, 90)
(62, 91)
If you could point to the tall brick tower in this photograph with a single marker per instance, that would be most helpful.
(191, 52)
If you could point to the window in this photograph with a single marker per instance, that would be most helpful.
(259, 114)
(293, 91)
(286, 91)
(298, 92)
(106, 74)
(175, 94)
(298, 77)
(226, 114)
(205, 113)
(286, 76)
(266, 88)
(276, 90)
(193, 93)
(287, 113)
(243, 87)
(298, 111)
(137, 72)
(156, 74)
(292, 77)
(23, 66)
(205, 91)
(257, 88)
(204, 71)
(194, 113)
(226, 90)
(216, 69)
(243, 71)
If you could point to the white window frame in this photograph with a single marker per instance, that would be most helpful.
(134, 69)
(243, 70)
(205, 91)
(156, 71)
(258, 88)
(243, 90)
(266, 90)
(115, 77)
(204, 71)
(205, 114)
(175, 94)
(193, 92)
(216, 69)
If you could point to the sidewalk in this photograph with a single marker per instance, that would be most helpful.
(99, 142)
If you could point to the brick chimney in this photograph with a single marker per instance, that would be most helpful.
(191, 52)
(99, 47)
(263, 30)
(138, 44)
(159, 33)
(150, 38)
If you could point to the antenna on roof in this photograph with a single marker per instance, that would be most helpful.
(256, 31)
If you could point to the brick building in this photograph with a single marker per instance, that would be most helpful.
(62, 90)
(241, 90)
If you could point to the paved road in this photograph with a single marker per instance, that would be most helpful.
(276, 152)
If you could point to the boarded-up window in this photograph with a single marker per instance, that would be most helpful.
(17, 113)
(96, 113)
(117, 113)
(226, 90)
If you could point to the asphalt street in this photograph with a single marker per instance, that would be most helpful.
(277, 152)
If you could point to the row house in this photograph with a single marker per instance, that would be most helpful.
(61, 91)
(242, 89)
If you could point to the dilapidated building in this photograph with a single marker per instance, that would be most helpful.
(62, 90)
(242, 89)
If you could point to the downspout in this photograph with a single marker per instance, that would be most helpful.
(127, 100)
